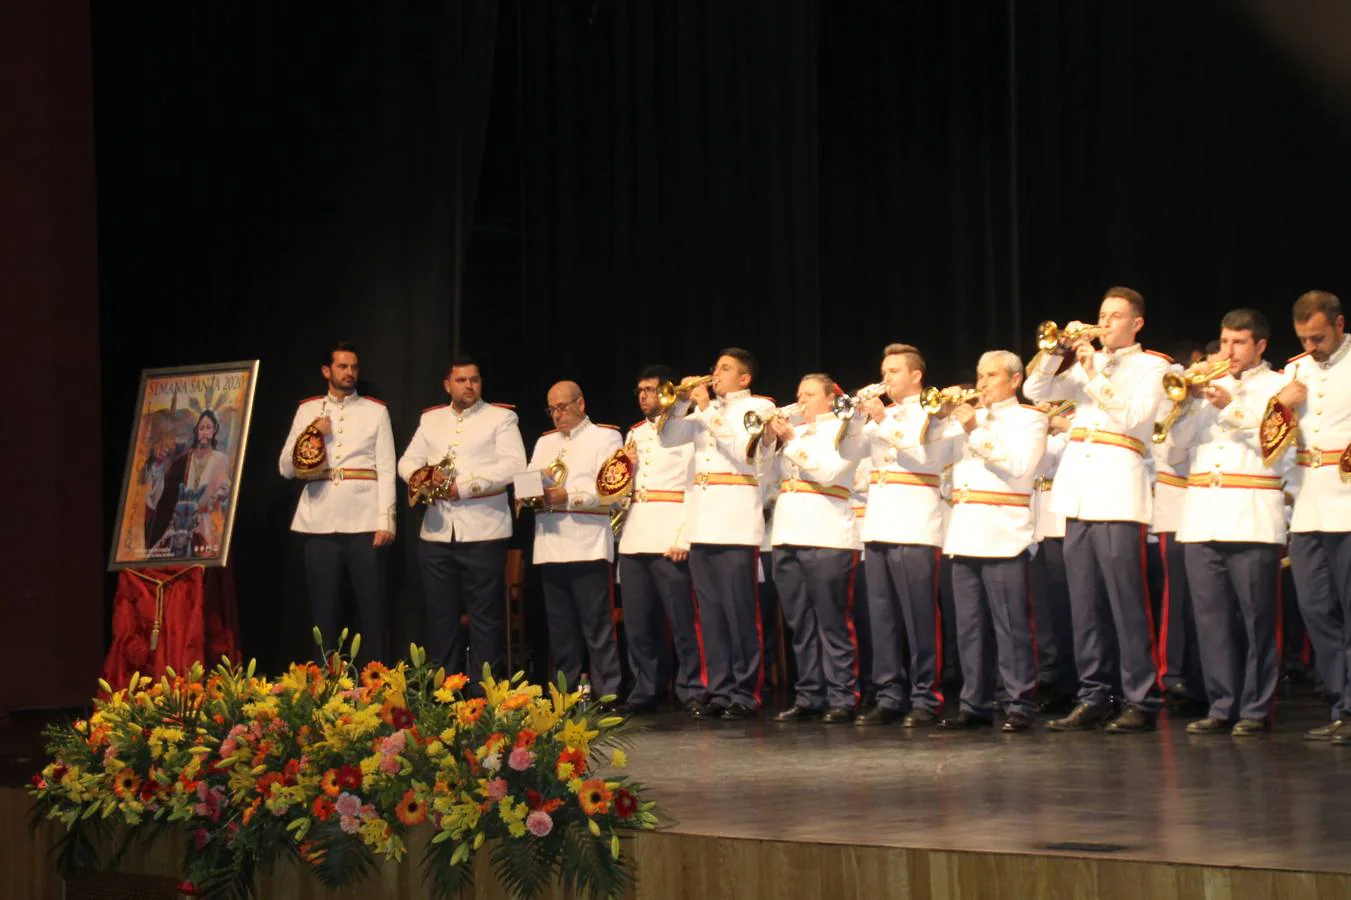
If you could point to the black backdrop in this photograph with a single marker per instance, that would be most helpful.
(659, 179)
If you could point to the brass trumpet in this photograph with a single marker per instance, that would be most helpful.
(1178, 389)
(844, 405)
(667, 392)
(1050, 335)
(932, 400)
(424, 486)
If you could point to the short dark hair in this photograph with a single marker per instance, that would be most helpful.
(215, 427)
(462, 360)
(656, 370)
(1212, 346)
(744, 357)
(913, 358)
(340, 347)
(1132, 296)
(1312, 303)
(1246, 319)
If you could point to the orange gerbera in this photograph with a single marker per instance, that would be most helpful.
(126, 783)
(468, 712)
(526, 739)
(266, 783)
(571, 764)
(455, 682)
(516, 701)
(323, 808)
(373, 676)
(594, 797)
(215, 687)
(410, 810)
(330, 783)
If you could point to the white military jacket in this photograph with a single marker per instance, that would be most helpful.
(815, 508)
(655, 522)
(992, 481)
(1102, 475)
(1231, 495)
(357, 493)
(1047, 523)
(908, 454)
(486, 442)
(728, 490)
(581, 531)
(1323, 501)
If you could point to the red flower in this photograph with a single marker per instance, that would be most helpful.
(573, 756)
(323, 808)
(349, 778)
(526, 739)
(148, 789)
(290, 771)
(267, 783)
(187, 887)
(37, 781)
(625, 804)
(59, 772)
(474, 767)
(401, 717)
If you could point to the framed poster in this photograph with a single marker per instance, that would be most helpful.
(183, 465)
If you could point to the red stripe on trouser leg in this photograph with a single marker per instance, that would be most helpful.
(938, 628)
(1163, 611)
(760, 636)
(699, 639)
(1144, 593)
(849, 621)
(1280, 637)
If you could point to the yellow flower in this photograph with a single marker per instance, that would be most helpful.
(542, 717)
(619, 759)
(435, 748)
(162, 735)
(576, 734)
(369, 765)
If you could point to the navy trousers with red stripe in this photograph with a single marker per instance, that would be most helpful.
(813, 584)
(658, 594)
(993, 601)
(1233, 581)
(1105, 568)
(729, 620)
(579, 604)
(1178, 647)
(904, 612)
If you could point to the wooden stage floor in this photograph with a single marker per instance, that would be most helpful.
(762, 810)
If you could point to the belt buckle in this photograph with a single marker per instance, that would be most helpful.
(1089, 435)
(335, 475)
(701, 479)
(962, 496)
(1216, 479)
(1315, 457)
(640, 495)
(790, 486)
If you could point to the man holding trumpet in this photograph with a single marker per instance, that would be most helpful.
(1102, 488)
(724, 525)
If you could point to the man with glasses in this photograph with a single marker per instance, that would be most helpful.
(574, 545)
(1102, 488)
(462, 550)
(653, 558)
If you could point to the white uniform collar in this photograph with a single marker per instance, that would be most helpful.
(477, 405)
(1336, 355)
(827, 416)
(735, 395)
(912, 400)
(1254, 370)
(1005, 403)
(576, 429)
(341, 400)
(1124, 351)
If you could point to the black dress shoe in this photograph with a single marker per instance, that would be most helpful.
(1341, 740)
(919, 718)
(635, 709)
(878, 715)
(1249, 727)
(1085, 716)
(693, 705)
(1329, 731)
(709, 710)
(838, 715)
(1209, 725)
(965, 721)
(1133, 720)
(1015, 723)
(797, 714)
(1054, 703)
(738, 711)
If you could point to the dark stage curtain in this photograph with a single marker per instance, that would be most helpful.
(274, 177)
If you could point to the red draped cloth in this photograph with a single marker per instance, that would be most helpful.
(171, 616)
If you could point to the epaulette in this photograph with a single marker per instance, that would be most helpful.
(639, 424)
(1033, 408)
(374, 399)
(1163, 356)
(434, 408)
(549, 432)
(1301, 356)
(510, 406)
(611, 427)
(308, 399)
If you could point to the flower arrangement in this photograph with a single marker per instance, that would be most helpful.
(332, 766)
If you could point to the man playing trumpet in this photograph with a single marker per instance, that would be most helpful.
(724, 526)
(1102, 488)
(462, 548)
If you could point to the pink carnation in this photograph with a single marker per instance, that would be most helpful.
(394, 744)
(521, 759)
(389, 765)
(539, 823)
(497, 789)
(348, 805)
(349, 824)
